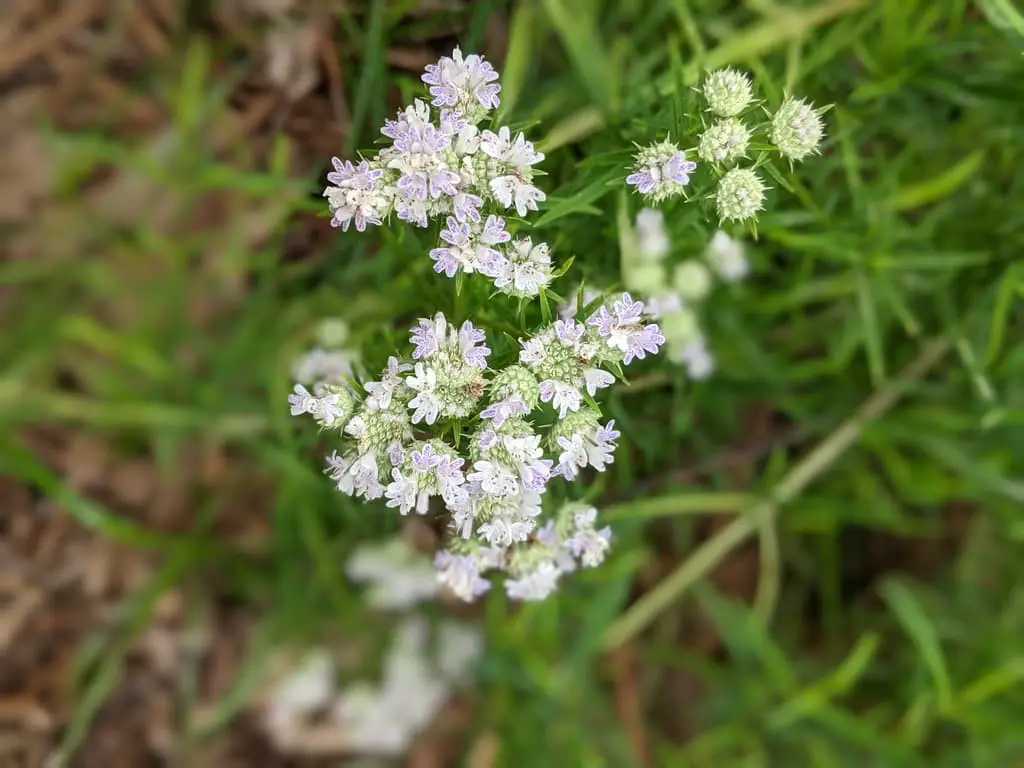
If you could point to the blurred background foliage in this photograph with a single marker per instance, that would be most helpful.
(818, 554)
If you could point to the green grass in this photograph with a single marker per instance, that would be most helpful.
(882, 323)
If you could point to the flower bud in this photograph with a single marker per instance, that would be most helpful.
(740, 195)
(797, 129)
(727, 91)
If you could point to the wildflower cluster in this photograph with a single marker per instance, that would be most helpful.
(441, 165)
(394, 447)
(795, 131)
(675, 292)
(445, 425)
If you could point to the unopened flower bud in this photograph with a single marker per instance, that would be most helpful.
(740, 195)
(724, 142)
(797, 129)
(728, 92)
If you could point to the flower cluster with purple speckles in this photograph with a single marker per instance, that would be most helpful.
(443, 428)
(662, 171)
(442, 166)
(492, 487)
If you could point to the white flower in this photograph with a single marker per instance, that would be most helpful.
(697, 358)
(512, 190)
(588, 545)
(398, 576)
(597, 379)
(322, 365)
(651, 236)
(563, 397)
(426, 404)
(494, 479)
(663, 304)
(458, 648)
(526, 270)
(535, 585)
(308, 688)
(518, 153)
(533, 351)
(725, 254)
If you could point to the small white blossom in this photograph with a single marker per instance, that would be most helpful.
(527, 268)
(725, 254)
(652, 238)
(398, 577)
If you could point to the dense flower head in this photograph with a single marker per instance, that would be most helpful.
(740, 195)
(661, 171)
(447, 376)
(724, 142)
(797, 129)
(441, 165)
(446, 426)
(727, 91)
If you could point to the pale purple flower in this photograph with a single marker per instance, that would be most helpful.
(563, 397)
(348, 176)
(661, 171)
(427, 336)
(622, 329)
(678, 169)
(569, 332)
(643, 342)
(469, 339)
(644, 180)
(425, 459)
(449, 471)
(506, 409)
(454, 80)
(466, 206)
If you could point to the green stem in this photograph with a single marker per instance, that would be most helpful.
(701, 562)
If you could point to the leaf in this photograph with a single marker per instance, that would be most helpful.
(1002, 15)
(915, 622)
